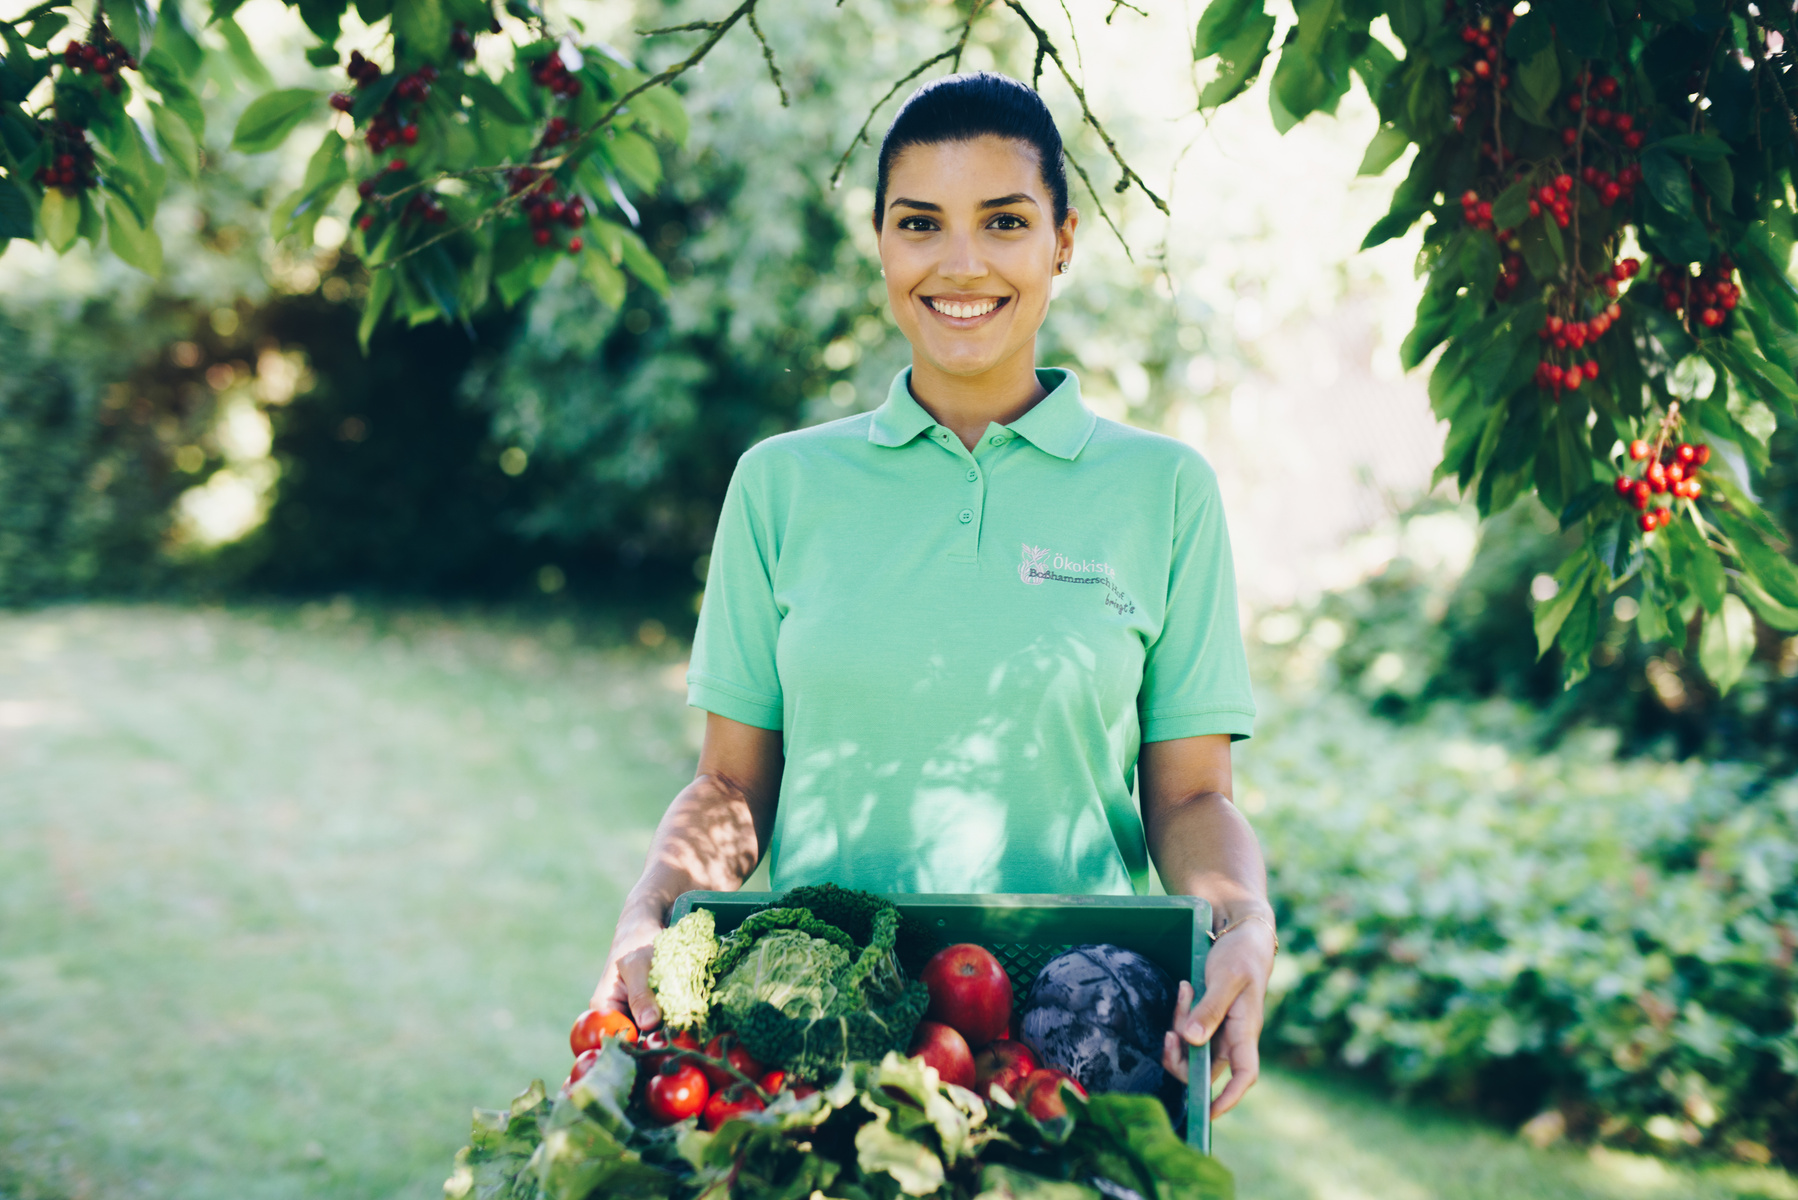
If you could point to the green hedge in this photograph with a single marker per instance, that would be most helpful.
(1610, 941)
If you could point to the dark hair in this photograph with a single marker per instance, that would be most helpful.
(959, 108)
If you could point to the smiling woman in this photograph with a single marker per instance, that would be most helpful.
(946, 644)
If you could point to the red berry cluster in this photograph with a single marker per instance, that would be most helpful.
(1563, 334)
(543, 211)
(461, 42)
(71, 166)
(425, 206)
(361, 70)
(1709, 296)
(1510, 271)
(552, 73)
(1489, 56)
(1670, 470)
(1598, 116)
(103, 55)
(556, 132)
(1553, 196)
(1612, 189)
(1477, 212)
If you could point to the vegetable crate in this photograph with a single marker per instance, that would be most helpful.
(1025, 932)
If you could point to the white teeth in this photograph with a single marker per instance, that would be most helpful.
(978, 308)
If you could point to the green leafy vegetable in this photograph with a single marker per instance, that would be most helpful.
(683, 967)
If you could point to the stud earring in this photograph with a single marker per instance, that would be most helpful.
(1064, 268)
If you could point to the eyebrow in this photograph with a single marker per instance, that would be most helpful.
(999, 202)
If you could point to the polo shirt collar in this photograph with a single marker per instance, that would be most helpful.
(1059, 424)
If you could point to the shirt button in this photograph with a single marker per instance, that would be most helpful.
(996, 440)
(966, 515)
(973, 475)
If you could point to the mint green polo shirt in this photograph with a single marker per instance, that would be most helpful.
(965, 649)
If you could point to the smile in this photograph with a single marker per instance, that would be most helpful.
(966, 310)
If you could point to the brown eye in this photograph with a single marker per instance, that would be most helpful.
(915, 224)
(1010, 221)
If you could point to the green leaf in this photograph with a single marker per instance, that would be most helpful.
(326, 172)
(999, 1182)
(1221, 21)
(324, 18)
(1383, 151)
(380, 291)
(1394, 224)
(879, 1150)
(1696, 563)
(1651, 620)
(1779, 616)
(1551, 233)
(641, 263)
(1702, 146)
(176, 137)
(606, 280)
(164, 74)
(636, 159)
(133, 242)
(492, 100)
(1308, 78)
(1768, 566)
(45, 28)
(660, 111)
(1668, 182)
(1538, 82)
(174, 40)
(1138, 1127)
(1717, 179)
(15, 212)
(1512, 208)
(60, 216)
(1726, 643)
(268, 120)
(132, 22)
(422, 26)
(1573, 576)
(242, 53)
(1531, 35)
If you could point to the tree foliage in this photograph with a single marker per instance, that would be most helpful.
(1558, 145)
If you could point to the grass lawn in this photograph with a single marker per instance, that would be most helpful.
(283, 893)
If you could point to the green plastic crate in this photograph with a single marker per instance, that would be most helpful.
(1025, 932)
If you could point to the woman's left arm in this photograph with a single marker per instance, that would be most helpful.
(1203, 846)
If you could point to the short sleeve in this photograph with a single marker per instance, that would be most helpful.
(1196, 676)
(733, 671)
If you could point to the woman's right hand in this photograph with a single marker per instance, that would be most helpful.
(624, 983)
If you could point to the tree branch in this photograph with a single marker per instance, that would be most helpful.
(768, 56)
(1046, 46)
(1081, 171)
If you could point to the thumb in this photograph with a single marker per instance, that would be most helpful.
(633, 969)
(1213, 1006)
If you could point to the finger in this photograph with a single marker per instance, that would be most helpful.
(633, 971)
(1212, 1008)
(1173, 1056)
(1218, 1065)
(1245, 1069)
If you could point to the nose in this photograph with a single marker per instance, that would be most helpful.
(962, 262)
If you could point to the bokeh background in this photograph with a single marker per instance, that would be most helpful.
(339, 693)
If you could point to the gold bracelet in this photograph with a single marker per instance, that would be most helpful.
(1238, 922)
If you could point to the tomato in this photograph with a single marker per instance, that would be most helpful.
(594, 1026)
(773, 1081)
(676, 1092)
(736, 1056)
(732, 1102)
(582, 1065)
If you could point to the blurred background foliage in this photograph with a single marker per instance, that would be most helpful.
(1575, 908)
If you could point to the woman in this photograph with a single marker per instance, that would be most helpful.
(939, 639)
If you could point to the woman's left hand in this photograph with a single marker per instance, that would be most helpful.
(1229, 1015)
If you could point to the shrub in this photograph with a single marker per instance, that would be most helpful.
(1610, 939)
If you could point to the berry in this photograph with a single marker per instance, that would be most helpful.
(364, 222)
(1639, 450)
(1694, 489)
(1574, 102)
(1631, 140)
(1684, 452)
(1606, 87)
(1569, 136)
(409, 135)
(1625, 485)
(1649, 522)
(1641, 494)
(1656, 477)
(574, 245)
(341, 102)
(540, 236)
(1621, 122)
(1701, 454)
(1711, 318)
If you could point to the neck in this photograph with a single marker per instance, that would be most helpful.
(967, 404)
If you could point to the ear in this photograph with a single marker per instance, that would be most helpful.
(1064, 237)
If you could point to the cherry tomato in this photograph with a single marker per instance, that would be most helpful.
(773, 1081)
(676, 1092)
(594, 1026)
(736, 1056)
(732, 1102)
(582, 1065)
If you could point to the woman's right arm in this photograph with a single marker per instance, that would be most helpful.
(710, 839)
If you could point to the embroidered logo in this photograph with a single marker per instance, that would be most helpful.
(1036, 563)
(1040, 566)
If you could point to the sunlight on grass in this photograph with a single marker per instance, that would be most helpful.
(284, 893)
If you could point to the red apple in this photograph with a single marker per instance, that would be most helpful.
(945, 1049)
(1006, 1063)
(1041, 1094)
(970, 992)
